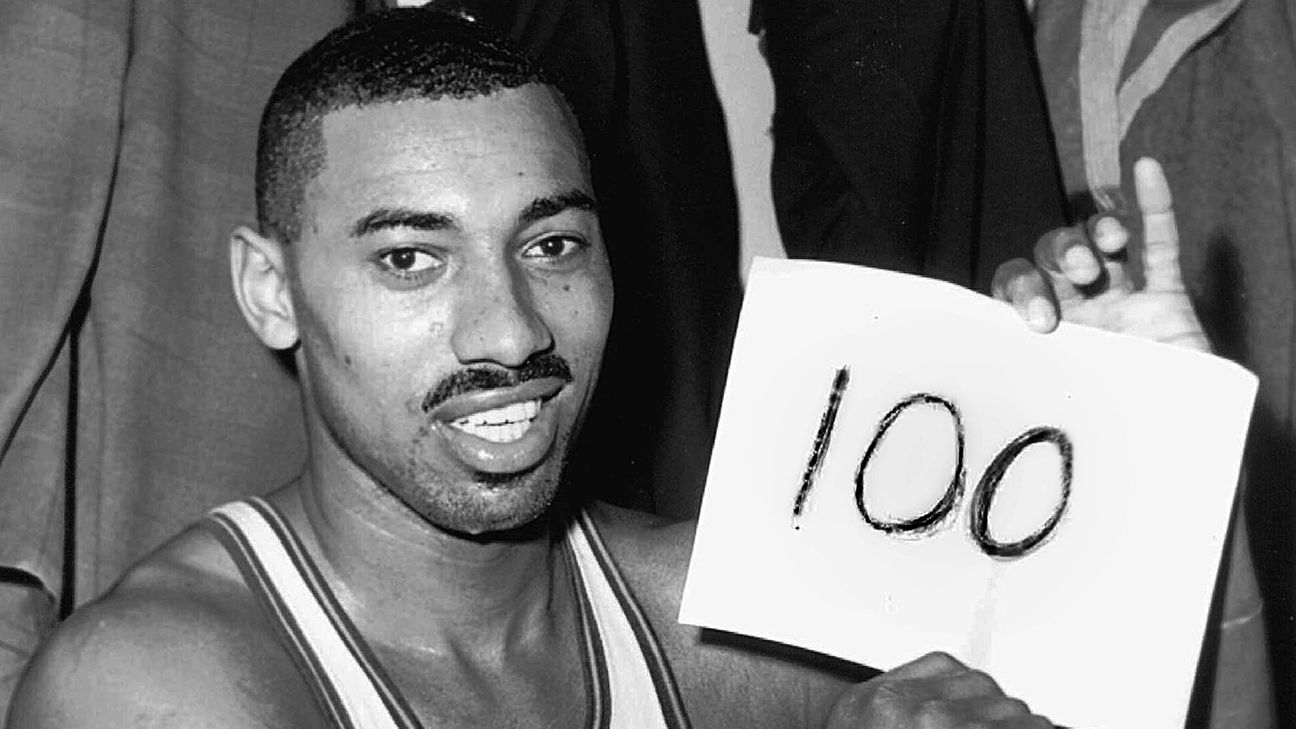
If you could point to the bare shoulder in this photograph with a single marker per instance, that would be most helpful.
(722, 677)
(178, 642)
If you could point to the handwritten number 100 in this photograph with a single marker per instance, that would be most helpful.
(982, 496)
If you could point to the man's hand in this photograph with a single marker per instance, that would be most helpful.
(932, 692)
(1084, 277)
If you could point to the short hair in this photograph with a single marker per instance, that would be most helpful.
(386, 56)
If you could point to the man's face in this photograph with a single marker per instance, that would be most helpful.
(452, 293)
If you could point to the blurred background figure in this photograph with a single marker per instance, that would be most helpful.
(1208, 87)
(911, 136)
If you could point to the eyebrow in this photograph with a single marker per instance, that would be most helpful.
(549, 206)
(384, 218)
(539, 209)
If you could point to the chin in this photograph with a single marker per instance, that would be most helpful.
(492, 507)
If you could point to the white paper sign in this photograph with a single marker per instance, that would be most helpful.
(1099, 470)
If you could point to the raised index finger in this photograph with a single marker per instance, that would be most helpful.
(1160, 234)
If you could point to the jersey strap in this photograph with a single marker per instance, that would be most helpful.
(347, 679)
(643, 690)
(629, 685)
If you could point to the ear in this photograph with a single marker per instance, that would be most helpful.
(259, 268)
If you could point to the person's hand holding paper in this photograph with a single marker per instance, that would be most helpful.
(1088, 276)
(1068, 553)
(934, 691)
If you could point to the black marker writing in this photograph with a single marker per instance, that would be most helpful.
(953, 492)
(826, 423)
(983, 495)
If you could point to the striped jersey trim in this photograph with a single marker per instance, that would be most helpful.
(400, 711)
(355, 692)
(303, 654)
(347, 678)
(663, 680)
(593, 658)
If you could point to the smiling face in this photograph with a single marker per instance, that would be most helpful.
(451, 292)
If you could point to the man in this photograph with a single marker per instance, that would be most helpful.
(429, 249)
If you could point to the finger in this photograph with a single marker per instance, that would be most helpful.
(988, 708)
(1021, 284)
(931, 665)
(967, 685)
(1107, 233)
(1065, 252)
(1160, 234)
(1111, 237)
(1032, 721)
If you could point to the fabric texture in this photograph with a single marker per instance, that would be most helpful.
(911, 136)
(629, 682)
(132, 396)
(1208, 88)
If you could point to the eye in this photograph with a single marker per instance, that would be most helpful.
(555, 247)
(408, 262)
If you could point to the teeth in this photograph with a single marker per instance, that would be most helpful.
(506, 433)
(501, 425)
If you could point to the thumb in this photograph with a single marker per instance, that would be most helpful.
(1160, 234)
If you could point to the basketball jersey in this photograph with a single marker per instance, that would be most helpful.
(630, 683)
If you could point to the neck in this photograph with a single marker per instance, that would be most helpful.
(404, 582)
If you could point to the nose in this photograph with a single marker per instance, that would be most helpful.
(497, 320)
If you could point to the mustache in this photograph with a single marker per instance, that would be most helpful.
(472, 379)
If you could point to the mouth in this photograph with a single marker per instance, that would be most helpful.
(502, 431)
(505, 424)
